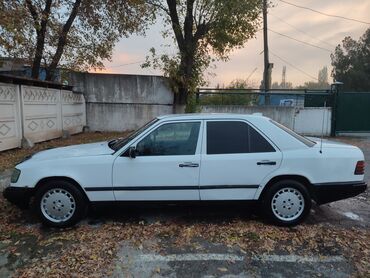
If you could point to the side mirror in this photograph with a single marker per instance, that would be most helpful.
(132, 152)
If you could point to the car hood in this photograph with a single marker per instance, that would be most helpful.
(329, 143)
(94, 149)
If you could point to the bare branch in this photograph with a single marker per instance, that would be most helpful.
(33, 12)
(159, 5)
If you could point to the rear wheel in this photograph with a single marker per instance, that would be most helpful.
(287, 202)
(60, 204)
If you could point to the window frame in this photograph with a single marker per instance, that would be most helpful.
(205, 135)
(199, 140)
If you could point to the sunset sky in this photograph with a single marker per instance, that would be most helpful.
(313, 28)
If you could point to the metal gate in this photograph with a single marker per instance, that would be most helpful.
(352, 112)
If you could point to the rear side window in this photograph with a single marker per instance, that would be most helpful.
(301, 138)
(226, 137)
(258, 144)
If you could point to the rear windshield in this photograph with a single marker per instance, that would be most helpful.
(301, 138)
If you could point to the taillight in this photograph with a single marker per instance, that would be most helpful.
(360, 168)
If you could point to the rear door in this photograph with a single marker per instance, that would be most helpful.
(235, 159)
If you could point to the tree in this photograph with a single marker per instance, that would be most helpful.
(73, 34)
(286, 85)
(241, 84)
(351, 63)
(323, 76)
(202, 29)
(322, 81)
(233, 97)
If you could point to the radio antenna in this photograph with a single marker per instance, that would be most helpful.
(322, 127)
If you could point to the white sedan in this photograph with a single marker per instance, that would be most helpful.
(193, 157)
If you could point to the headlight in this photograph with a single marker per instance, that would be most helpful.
(15, 175)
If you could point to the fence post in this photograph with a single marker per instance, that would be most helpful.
(334, 95)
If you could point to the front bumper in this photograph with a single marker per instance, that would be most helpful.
(18, 196)
(329, 192)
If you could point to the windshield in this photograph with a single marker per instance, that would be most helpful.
(301, 138)
(116, 144)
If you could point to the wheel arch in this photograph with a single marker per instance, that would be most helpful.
(299, 178)
(59, 178)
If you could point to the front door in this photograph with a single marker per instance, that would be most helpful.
(166, 166)
(235, 160)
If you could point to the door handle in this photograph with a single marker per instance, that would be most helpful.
(189, 164)
(266, 163)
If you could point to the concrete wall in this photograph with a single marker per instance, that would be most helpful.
(313, 121)
(116, 102)
(42, 113)
(38, 114)
(307, 120)
(10, 117)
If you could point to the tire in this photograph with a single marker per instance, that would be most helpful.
(60, 204)
(286, 203)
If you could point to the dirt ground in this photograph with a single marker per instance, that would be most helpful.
(181, 241)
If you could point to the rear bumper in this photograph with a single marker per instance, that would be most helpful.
(329, 192)
(18, 196)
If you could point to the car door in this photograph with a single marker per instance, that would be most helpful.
(166, 166)
(235, 159)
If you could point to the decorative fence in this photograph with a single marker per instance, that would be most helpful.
(38, 113)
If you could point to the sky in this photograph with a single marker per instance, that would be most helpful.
(302, 61)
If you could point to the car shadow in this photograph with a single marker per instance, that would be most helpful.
(179, 212)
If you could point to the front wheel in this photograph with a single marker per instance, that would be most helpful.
(60, 204)
(287, 203)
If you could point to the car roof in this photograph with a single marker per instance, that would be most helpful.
(201, 116)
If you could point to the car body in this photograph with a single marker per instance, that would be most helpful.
(193, 157)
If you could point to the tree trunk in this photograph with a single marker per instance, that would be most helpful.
(40, 33)
(186, 74)
(38, 55)
(50, 72)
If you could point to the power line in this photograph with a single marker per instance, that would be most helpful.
(122, 65)
(297, 40)
(252, 72)
(301, 31)
(285, 61)
(326, 14)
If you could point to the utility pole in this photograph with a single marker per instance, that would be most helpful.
(267, 69)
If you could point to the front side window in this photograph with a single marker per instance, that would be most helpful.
(170, 139)
(227, 137)
(119, 143)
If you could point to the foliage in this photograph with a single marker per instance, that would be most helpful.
(351, 63)
(203, 30)
(287, 85)
(72, 34)
(235, 95)
(323, 76)
(321, 84)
